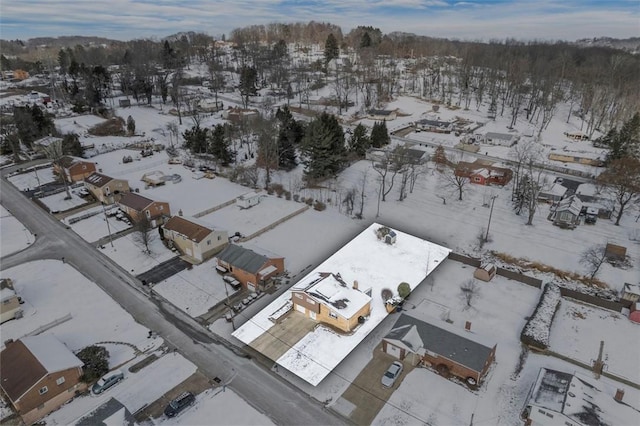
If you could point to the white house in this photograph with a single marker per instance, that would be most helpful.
(502, 139)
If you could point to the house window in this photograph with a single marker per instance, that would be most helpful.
(298, 295)
(219, 237)
(6, 302)
(60, 380)
(43, 390)
(333, 315)
(476, 179)
(148, 213)
(208, 242)
(161, 207)
(549, 415)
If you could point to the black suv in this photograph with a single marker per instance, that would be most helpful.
(176, 406)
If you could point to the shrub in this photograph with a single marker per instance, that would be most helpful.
(386, 294)
(277, 188)
(287, 195)
(112, 127)
(309, 201)
(296, 198)
(96, 362)
(404, 289)
(536, 331)
(319, 206)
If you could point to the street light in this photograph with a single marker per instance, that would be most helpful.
(493, 199)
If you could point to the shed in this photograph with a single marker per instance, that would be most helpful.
(249, 200)
(630, 292)
(615, 253)
(485, 272)
(635, 313)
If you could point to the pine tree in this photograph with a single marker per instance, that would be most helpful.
(219, 147)
(131, 125)
(359, 141)
(380, 135)
(331, 50)
(323, 147)
(365, 41)
(625, 142)
(195, 139)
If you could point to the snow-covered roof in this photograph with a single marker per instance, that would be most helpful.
(374, 265)
(503, 136)
(7, 294)
(580, 399)
(571, 204)
(554, 189)
(51, 352)
(632, 288)
(332, 291)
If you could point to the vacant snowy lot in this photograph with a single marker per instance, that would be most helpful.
(14, 236)
(130, 253)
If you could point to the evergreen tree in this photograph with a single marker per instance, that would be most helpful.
(219, 147)
(625, 142)
(359, 141)
(248, 77)
(323, 147)
(365, 41)
(380, 135)
(195, 139)
(331, 50)
(71, 145)
(131, 125)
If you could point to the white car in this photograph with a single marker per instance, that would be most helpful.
(392, 373)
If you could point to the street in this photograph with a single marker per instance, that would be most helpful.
(271, 395)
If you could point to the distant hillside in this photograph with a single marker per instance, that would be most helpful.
(631, 45)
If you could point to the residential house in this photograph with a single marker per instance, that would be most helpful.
(74, 169)
(442, 346)
(435, 126)
(41, 144)
(252, 267)
(559, 398)
(9, 301)
(567, 212)
(483, 173)
(106, 189)
(634, 312)
(237, 114)
(382, 114)
(502, 139)
(39, 374)
(195, 239)
(630, 292)
(138, 207)
(552, 193)
(327, 299)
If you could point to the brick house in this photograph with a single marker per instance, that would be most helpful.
(483, 174)
(74, 169)
(440, 345)
(39, 374)
(106, 189)
(252, 267)
(194, 238)
(138, 207)
(327, 299)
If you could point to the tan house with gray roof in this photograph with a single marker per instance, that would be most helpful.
(106, 189)
(194, 238)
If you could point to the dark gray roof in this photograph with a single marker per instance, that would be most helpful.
(444, 342)
(243, 258)
(106, 410)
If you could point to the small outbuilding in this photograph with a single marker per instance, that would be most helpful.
(635, 313)
(249, 200)
(485, 272)
(630, 292)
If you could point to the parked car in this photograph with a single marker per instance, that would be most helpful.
(107, 381)
(392, 373)
(176, 406)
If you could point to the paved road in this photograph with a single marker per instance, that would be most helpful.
(269, 394)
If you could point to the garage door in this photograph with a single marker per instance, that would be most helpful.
(393, 350)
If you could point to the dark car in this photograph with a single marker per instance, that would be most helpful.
(176, 406)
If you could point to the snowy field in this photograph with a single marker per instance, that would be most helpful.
(233, 218)
(13, 234)
(95, 227)
(375, 265)
(58, 203)
(129, 253)
(578, 329)
(217, 407)
(33, 178)
(195, 290)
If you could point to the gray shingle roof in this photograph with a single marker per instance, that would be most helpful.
(445, 342)
(243, 258)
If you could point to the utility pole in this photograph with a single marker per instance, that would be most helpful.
(106, 218)
(231, 313)
(493, 199)
(598, 364)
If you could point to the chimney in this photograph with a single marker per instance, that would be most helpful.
(180, 212)
(10, 341)
(355, 284)
(467, 325)
(619, 395)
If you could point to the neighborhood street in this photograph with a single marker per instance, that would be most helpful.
(269, 394)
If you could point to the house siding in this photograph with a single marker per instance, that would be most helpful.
(200, 251)
(8, 309)
(156, 211)
(247, 277)
(110, 192)
(458, 370)
(33, 406)
(80, 171)
(323, 312)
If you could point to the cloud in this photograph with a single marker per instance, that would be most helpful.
(467, 19)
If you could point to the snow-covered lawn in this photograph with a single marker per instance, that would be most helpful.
(247, 221)
(53, 290)
(135, 392)
(130, 253)
(578, 329)
(32, 179)
(58, 202)
(227, 408)
(195, 290)
(95, 227)
(375, 265)
(13, 234)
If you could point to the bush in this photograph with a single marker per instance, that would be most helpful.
(319, 206)
(309, 201)
(287, 195)
(296, 197)
(96, 362)
(536, 331)
(112, 127)
(404, 289)
(277, 188)
(386, 294)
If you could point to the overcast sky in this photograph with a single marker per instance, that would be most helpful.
(465, 19)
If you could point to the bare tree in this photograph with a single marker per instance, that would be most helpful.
(176, 93)
(622, 180)
(468, 292)
(529, 178)
(363, 185)
(456, 181)
(144, 234)
(54, 151)
(349, 200)
(593, 258)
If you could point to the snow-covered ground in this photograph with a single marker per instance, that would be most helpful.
(13, 235)
(95, 227)
(216, 406)
(375, 265)
(59, 202)
(32, 178)
(130, 253)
